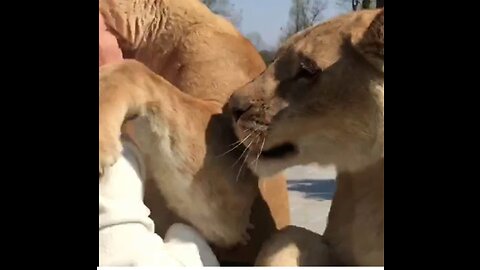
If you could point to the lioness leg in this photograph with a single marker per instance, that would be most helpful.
(294, 246)
(126, 90)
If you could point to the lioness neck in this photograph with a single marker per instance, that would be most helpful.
(356, 220)
(367, 147)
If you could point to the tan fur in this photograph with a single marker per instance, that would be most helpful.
(178, 120)
(200, 53)
(324, 94)
(293, 246)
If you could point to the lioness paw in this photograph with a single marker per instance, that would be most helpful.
(110, 149)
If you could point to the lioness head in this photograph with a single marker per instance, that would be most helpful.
(321, 100)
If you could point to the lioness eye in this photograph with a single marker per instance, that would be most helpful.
(308, 69)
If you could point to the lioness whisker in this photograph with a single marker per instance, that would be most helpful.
(259, 152)
(243, 163)
(238, 141)
(246, 156)
(238, 144)
(246, 149)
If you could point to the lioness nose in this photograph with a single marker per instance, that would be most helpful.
(239, 104)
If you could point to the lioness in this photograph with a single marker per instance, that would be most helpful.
(187, 143)
(322, 100)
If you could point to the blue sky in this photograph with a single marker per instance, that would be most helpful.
(268, 16)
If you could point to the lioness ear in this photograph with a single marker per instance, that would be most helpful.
(371, 44)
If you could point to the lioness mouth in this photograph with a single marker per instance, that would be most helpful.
(280, 151)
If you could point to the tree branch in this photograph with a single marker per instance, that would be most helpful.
(355, 4)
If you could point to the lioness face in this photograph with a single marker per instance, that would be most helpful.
(321, 100)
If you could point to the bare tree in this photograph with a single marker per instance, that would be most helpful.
(366, 4)
(303, 14)
(267, 55)
(257, 40)
(208, 3)
(355, 4)
(226, 9)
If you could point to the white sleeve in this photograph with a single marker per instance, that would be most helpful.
(126, 233)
